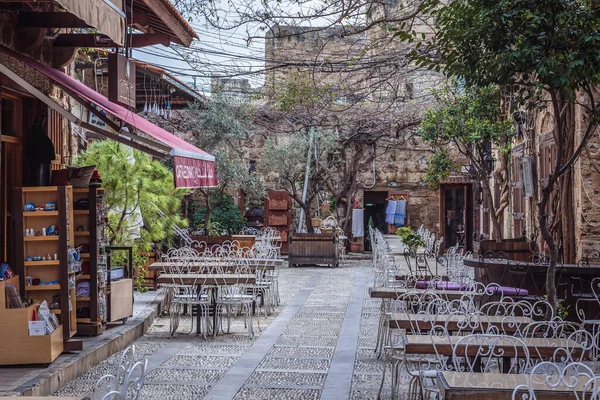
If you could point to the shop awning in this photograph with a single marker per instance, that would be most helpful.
(104, 15)
(193, 167)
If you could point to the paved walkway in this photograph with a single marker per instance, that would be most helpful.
(318, 345)
(40, 380)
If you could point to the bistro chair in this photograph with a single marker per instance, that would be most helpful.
(575, 377)
(126, 383)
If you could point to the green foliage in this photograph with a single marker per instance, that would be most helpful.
(219, 129)
(300, 92)
(135, 186)
(225, 216)
(467, 120)
(439, 167)
(527, 45)
(288, 159)
(410, 237)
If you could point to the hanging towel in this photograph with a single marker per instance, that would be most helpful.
(390, 211)
(358, 223)
(400, 215)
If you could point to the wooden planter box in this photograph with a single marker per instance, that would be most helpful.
(246, 242)
(277, 204)
(284, 236)
(278, 220)
(515, 249)
(313, 248)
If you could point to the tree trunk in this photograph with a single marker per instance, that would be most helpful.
(309, 227)
(552, 246)
(496, 230)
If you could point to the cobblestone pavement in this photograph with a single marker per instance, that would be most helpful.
(319, 344)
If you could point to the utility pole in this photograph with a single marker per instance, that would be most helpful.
(306, 175)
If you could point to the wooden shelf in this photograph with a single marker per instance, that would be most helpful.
(40, 189)
(40, 214)
(40, 238)
(83, 298)
(84, 255)
(81, 190)
(82, 233)
(46, 263)
(57, 312)
(81, 212)
(84, 320)
(42, 287)
(84, 277)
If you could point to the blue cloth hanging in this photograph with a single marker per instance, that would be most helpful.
(390, 211)
(400, 214)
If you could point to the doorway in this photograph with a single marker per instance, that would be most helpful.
(11, 170)
(456, 216)
(374, 214)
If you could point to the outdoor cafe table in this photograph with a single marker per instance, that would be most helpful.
(259, 263)
(213, 280)
(495, 386)
(409, 321)
(394, 293)
(538, 347)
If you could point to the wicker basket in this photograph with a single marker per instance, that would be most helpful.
(315, 222)
(329, 225)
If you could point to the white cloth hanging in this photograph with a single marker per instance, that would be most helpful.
(358, 223)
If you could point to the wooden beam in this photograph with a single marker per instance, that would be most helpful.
(169, 20)
(140, 20)
(50, 20)
(93, 40)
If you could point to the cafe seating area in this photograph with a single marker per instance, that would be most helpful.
(445, 335)
(214, 284)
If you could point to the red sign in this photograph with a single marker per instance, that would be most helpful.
(194, 173)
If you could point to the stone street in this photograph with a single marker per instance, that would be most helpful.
(319, 344)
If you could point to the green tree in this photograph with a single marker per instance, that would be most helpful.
(140, 196)
(469, 121)
(220, 126)
(548, 54)
(288, 161)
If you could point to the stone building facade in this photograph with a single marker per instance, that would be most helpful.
(338, 60)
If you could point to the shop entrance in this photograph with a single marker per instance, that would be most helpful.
(11, 169)
(456, 216)
(374, 214)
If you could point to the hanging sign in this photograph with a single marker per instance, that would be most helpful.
(193, 173)
(527, 168)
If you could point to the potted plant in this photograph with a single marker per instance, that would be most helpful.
(410, 238)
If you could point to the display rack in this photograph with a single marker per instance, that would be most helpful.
(17, 347)
(89, 230)
(56, 278)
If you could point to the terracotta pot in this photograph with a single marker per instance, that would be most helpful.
(354, 247)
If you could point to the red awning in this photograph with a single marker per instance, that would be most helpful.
(193, 167)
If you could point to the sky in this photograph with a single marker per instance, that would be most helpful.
(215, 53)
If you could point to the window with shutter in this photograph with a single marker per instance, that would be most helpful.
(518, 198)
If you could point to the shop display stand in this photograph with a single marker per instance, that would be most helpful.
(50, 269)
(17, 347)
(92, 221)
